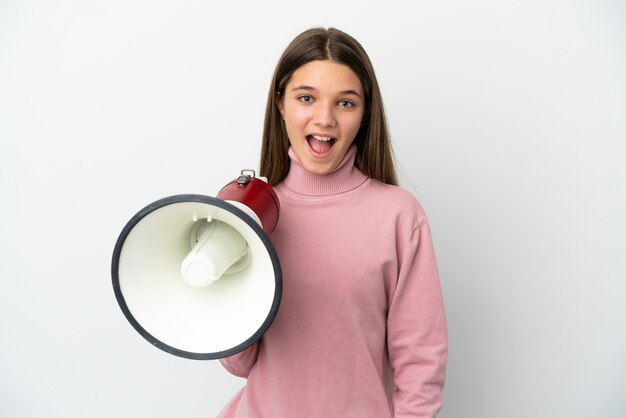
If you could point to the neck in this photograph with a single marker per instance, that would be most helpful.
(344, 178)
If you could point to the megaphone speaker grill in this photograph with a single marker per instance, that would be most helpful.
(208, 322)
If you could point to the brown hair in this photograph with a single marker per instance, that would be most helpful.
(374, 154)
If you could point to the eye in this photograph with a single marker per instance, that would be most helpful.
(346, 104)
(305, 99)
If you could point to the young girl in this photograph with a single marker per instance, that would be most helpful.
(361, 330)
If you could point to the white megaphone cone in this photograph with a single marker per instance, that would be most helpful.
(218, 247)
(197, 276)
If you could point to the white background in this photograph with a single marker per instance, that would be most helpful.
(509, 124)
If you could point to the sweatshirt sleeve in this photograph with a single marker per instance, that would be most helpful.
(241, 364)
(416, 329)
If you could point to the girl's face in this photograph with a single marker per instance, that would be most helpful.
(322, 107)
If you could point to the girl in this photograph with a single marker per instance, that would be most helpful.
(361, 330)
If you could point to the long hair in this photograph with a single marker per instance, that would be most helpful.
(374, 156)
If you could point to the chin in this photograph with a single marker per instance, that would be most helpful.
(319, 169)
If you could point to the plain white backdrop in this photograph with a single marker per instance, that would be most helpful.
(509, 124)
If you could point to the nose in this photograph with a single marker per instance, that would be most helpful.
(325, 115)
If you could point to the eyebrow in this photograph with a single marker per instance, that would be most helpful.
(310, 88)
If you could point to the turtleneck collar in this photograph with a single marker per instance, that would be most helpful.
(344, 178)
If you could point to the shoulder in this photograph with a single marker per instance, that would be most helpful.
(397, 202)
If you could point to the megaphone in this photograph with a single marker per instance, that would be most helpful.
(197, 276)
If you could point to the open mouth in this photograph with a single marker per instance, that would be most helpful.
(320, 144)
